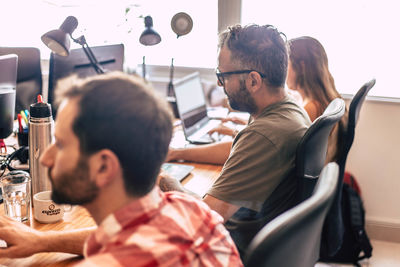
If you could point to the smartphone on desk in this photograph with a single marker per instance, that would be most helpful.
(177, 171)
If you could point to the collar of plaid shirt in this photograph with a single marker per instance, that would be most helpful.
(135, 213)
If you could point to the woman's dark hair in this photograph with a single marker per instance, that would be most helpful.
(310, 64)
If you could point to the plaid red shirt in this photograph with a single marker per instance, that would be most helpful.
(162, 229)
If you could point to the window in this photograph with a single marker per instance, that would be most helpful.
(105, 22)
(359, 36)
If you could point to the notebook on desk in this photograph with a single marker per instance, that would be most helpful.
(192, 109)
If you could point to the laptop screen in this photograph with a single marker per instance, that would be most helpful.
(8, 71)
(8, 81)
(190, 100)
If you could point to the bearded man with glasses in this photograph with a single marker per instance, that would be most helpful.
(258, 181)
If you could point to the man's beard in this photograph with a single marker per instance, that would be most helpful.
(242, 100)
(74, 187)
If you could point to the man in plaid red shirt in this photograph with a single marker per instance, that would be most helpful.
(111, 137)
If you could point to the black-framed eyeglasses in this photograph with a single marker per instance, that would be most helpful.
(221, 75)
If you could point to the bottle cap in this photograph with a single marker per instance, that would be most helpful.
(40, 109)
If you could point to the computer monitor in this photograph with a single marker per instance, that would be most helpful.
(110, 57)
(8, 82)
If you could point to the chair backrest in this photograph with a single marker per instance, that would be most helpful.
(29, 75)
(110, 57)
(332, 236)
(354, 112)
(312, 149)
(293, 238)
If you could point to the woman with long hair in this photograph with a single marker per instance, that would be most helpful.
(309, 75)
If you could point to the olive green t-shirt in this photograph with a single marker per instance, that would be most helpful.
(259, 175)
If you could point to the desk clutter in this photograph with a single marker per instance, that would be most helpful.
(35, 127)
(22, 133)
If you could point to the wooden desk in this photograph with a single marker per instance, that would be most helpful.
(198, 181)
(201, 178)
(77, 218)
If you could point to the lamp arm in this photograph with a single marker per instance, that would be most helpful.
(144, 68)
(94, 61)
(89, 53)
(171, 71)
(171, 91)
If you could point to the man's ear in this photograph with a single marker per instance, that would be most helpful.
(254, 81)
(104, 167)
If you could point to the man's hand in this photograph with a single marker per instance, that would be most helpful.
(22, 241)
(167, 183)
(224, 130)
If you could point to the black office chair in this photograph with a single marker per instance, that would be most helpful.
(312, 149)
(293, 238)
(354, 112)
(29, 75)
(333, 229)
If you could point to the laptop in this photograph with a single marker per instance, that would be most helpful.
(8, 71)
(192, 109)
(8, 82)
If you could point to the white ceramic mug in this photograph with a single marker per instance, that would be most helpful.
(45, 210)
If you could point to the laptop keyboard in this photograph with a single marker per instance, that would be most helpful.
(212, 138)
(202, 134)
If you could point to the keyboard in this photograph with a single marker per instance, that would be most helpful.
(202, 136)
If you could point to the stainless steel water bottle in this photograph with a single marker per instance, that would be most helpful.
(41, 127)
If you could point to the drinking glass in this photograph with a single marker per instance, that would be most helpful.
(16, 188)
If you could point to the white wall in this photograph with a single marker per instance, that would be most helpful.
(375, 162)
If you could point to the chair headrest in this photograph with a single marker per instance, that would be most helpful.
(356, 102)
(336, 108)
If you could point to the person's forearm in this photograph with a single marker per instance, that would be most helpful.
(184, 190)
(216, 153)
(65, 241)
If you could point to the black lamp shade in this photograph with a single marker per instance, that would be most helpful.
(58, 42)
(149, 35)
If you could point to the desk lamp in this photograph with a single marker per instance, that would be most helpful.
(148, 37)
(58, 41)
(181, 24)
